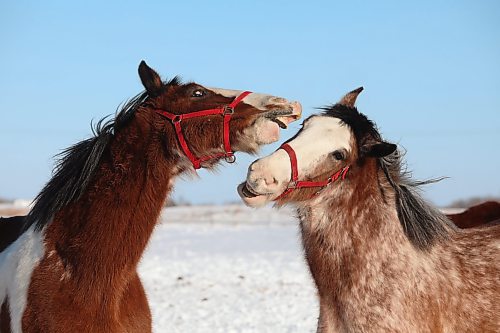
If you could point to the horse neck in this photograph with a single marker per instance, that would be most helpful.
(104, 233)
(351, 225)
(364, 266)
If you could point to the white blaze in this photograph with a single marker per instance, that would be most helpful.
(320, 136)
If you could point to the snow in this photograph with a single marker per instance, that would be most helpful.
(228, 269)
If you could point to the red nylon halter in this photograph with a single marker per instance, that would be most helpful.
(226, 111)
(296, 184)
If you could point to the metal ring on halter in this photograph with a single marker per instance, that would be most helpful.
(228, 110)
(177, 119)
(292, 185)
(230, 158)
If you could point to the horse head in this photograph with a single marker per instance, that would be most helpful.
(212, 123)
(318, 155)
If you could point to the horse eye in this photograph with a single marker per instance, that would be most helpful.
(198, 93)
(338, 155)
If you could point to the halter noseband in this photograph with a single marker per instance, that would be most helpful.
(226, 111)
(295, 183)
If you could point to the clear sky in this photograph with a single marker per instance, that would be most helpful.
(431, 72)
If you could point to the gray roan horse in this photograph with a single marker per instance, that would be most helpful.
(382, 258)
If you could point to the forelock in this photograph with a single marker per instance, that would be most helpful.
(360, 125)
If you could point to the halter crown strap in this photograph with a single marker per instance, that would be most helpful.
(293, 161)
(226, 111)
(296, 184)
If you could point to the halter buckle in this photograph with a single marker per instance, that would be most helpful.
(292, 185)
(177, 119)
(227, 110)
(230, 158)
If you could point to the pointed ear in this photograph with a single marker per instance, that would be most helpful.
(150, 79)
(377, 149)
(350, 98)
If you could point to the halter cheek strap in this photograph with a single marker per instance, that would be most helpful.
(226, 111)
(295, 183)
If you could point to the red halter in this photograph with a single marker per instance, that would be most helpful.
(296, 184)
(226, 111)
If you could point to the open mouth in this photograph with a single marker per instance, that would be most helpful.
(283, 118)
(280, 123)
(247, 192)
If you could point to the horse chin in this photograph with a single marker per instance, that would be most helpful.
(251, 199)
(267, 131)
(267, 128)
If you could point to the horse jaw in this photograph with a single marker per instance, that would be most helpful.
(264, 131)
(267, 129)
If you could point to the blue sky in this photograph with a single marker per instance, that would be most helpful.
(431, 72)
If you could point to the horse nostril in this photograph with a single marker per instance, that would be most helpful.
(271, 181)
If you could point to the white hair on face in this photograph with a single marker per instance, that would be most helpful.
(320, 136)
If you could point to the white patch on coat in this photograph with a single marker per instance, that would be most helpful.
(320, 136)
(259, 101)
(17, 263)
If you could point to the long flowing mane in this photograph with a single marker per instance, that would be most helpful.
(76, 165)
(422, 223)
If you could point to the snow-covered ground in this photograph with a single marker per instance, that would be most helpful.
(228, 269)
(225, 269)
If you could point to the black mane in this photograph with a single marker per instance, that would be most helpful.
(361, 126)
(76, 166)
(422, 223)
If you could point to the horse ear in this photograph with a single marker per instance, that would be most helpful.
(150, 79)
(377, 149)
(350, 98)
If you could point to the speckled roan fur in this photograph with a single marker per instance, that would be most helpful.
(371, 277)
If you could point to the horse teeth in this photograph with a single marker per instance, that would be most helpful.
(247, 192)
(280, 123)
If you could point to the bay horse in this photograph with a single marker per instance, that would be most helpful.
(73, 264)
(477, 215)
(382, 259)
